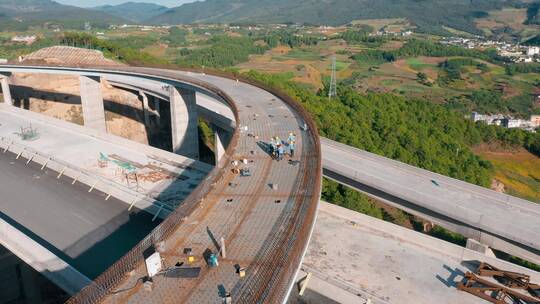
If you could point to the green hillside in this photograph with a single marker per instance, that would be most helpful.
(133, 11)
(458, 14)
(20, 14)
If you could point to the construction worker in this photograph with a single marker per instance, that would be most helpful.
(280, 152)
(292, 143)
(292, 137)
(273, 147)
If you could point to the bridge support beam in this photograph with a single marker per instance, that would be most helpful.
(6, 93)
(184, 122)
(220, 141)
(145, 108)
(41, 259)
(92, 103)
(479, 247)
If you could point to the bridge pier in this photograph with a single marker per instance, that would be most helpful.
(145, 108)
(184, 122)
(475, 245)
(92, 103)
(6, 93)
(218, 144)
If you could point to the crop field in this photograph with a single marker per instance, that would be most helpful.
(519, 171)
(509, 18)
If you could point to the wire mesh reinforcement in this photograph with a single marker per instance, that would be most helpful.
(274, 272)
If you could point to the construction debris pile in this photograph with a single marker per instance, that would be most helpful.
(513, 287)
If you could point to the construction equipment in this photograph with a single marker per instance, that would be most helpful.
(492, 292)
(509, 278)
(29, 133)
(213, 260)
(245, 172)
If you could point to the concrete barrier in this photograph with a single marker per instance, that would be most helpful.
(41, 259)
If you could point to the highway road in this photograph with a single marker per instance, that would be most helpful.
(82, 228)
(496, 219)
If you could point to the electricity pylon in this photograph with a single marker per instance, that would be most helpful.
(332, 91)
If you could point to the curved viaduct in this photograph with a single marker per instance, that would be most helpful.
(265, 220)
(494, 219)
(252, 115)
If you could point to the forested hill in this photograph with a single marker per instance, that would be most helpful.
(133, 11)
(429, 15)
(19, 14)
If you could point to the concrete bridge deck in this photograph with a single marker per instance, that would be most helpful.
(354, 257)
(495, 219)
(161, 177)
(246, 215)
(81, 228)
(265, 218)
(498, 220)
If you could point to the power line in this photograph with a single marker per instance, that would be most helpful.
(332, 92)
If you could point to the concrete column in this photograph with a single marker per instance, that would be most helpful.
(479, 247)
(145, 108)
(219, 147)
(6, 93)
(92, 103)
(184, 124)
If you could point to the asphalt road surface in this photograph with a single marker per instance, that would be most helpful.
(82, 228)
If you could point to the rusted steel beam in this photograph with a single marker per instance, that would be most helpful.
(509, 278)
(492, 292)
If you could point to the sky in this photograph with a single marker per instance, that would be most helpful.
(92, 3)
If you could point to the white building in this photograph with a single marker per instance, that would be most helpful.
(533, 50)
(24, 39)
(513, 123)
(535, 121)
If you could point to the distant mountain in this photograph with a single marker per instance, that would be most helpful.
(533, 13)
(428, 15)
(19, 14)
(133, 11)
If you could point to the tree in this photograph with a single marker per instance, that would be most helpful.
(421, 77)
